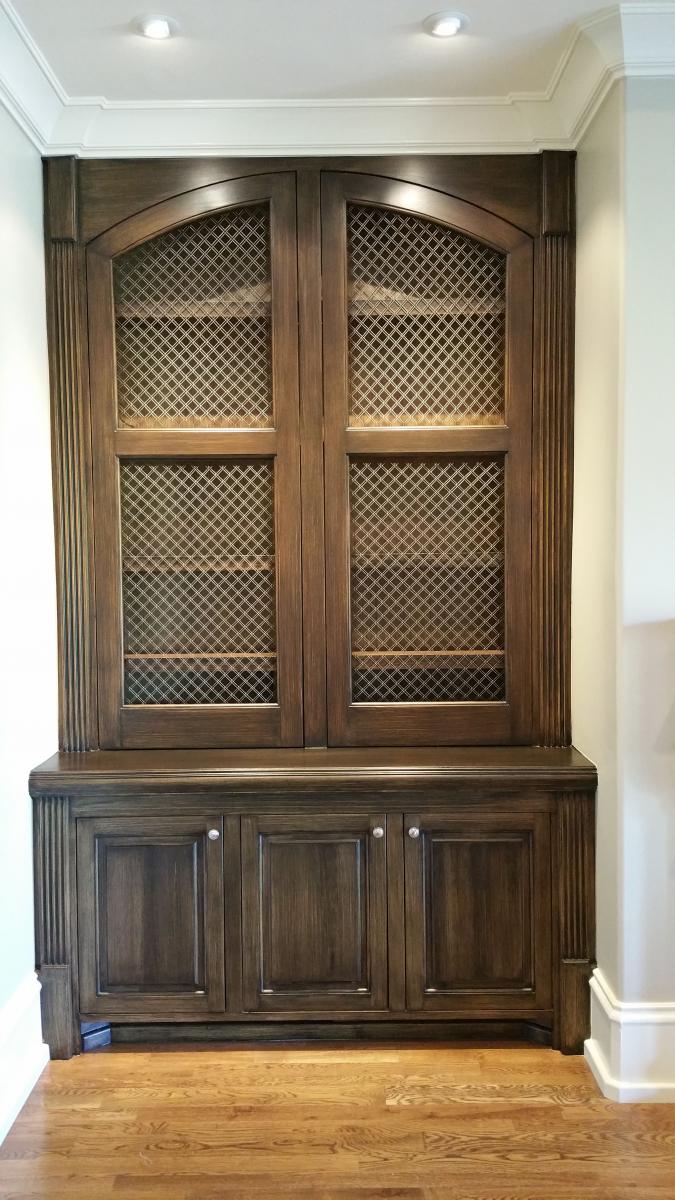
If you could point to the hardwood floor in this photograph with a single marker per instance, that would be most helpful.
(348, 1123)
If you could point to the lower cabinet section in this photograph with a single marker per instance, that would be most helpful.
(311, 909)
(150, 915)
(252, 894)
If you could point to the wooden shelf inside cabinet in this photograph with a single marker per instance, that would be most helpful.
(368, 300)
(241, 305)
(234, 659)
(138, 564)
(428, 657)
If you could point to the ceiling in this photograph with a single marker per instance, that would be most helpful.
(301, 49)
(289, 77)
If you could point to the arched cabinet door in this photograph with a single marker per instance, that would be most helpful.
(428, 308)
(193, 352)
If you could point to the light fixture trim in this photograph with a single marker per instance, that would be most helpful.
(446, 24)
(156, 26)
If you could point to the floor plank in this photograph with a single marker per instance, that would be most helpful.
(336, 1123)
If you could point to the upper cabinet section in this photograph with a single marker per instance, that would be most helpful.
(313, 447)
(427, 313)
(193, 326)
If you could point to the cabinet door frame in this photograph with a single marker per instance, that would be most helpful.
(143, 830)
(536, 827)
(304, 1000)
(161, 726)
(464, 723)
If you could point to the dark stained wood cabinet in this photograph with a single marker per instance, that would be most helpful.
(312, 476)
(478, 906)
(150, 915)
(314, 912)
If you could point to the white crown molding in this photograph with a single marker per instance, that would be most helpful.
(616, 42)
(631, 1050)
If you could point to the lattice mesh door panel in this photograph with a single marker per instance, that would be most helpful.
(193, 325)
(427, 580)
(426, 323)
(198, 582)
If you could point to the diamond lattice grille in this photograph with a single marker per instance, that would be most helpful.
(427, 580)
(193, 325)
(198, 582)
(426, 323)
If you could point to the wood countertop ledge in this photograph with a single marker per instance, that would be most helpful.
(121, 771)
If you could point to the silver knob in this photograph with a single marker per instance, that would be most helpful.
(214, 834)
(378, 831)
(413, 832)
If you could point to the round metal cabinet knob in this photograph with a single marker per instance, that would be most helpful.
(413, 832)
(378, 831)
(214, 834)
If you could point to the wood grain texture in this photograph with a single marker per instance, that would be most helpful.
(115, 189)
(167, 725)
(311, 452)
(557, 192)
(150, 907)
(54, 917)
(433, 724)
(134, 771)
(576, 918)
(314, 908)
(552, 463)
(71, 452)
(319, 1123)
(478, 912)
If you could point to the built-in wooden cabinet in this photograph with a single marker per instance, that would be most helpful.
(312, 430)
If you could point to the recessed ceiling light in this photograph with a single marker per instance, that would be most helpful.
(156, 27)
(445, 24)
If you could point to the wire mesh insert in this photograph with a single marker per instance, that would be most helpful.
(426, 323)
(193, 325)
(427, 580)
(198, 582)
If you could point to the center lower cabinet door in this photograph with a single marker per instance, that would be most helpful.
(150, 914)
(478, 913)
(314, 913)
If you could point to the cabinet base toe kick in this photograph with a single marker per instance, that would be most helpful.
(537, 1032)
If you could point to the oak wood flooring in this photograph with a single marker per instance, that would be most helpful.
(383, 1123)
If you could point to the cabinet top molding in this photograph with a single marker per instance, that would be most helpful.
(617, 41)
(213, 770)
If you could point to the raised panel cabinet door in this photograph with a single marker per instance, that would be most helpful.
(428, 310)
(314, 913)
(150, 915)
(478, 913)
(193, 326)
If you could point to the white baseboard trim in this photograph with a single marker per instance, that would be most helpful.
(631, 1050)
(23, 1054)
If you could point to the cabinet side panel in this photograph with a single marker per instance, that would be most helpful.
(552, 455)
(52, 853)
(71, 444)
